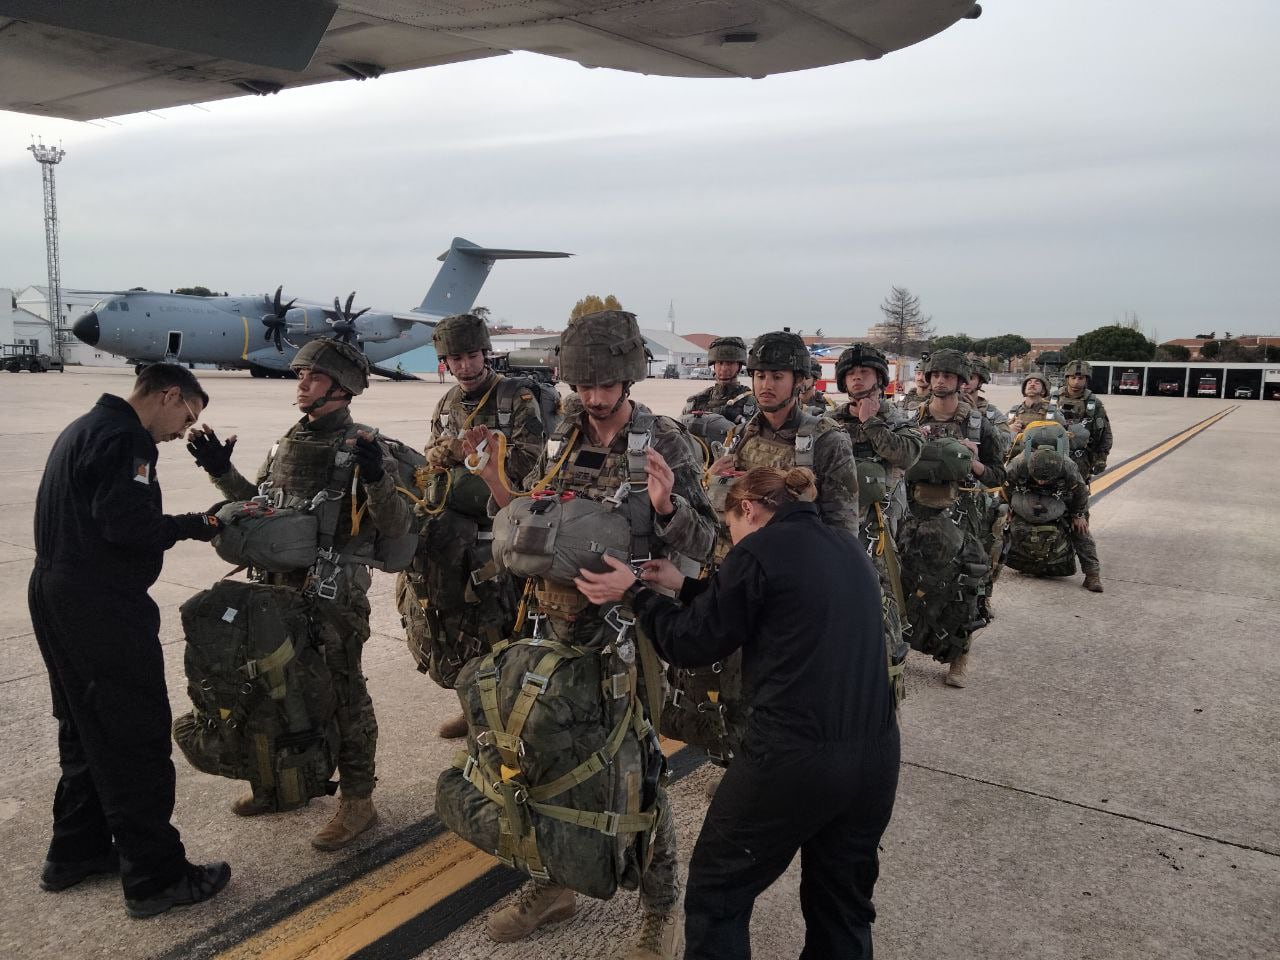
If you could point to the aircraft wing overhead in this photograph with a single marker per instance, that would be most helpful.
(83, 59)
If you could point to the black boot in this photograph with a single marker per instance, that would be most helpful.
(196, 885)
(58, 875)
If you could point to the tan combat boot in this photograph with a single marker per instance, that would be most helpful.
(1093, 580)
(248, 805)
(355, 815)
(957, 673)
(661, 937)
(453, 729)
(536, 906)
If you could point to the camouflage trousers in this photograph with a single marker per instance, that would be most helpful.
(1086, 549)
(343, 629)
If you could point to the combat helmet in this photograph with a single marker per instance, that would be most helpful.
(1077, 366)
(862, 355)
(780, 350)
(727, 349)
(461, 333)
(979, 369)
(604, 347)
(1045, 465)
(344, 364)
(1044, 383)
(947, 361)
(815, 369)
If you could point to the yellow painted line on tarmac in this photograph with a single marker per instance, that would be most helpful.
(1125, 470)
(375, 903)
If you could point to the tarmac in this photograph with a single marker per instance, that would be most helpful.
(1107, 786)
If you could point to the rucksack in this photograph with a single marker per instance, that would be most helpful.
(706, 707)
(1040, 549)
(546, 398)
(561, 772)
(263, 706)
(1050, 434)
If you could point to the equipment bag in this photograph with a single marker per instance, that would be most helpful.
(706, 707)
(554, 535)
(272, 539)
(943, 460)
(263, 707)
(945, 578)
(560, 775)
(1040, 549)
(1045, 433)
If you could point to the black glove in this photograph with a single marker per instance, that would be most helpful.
(1099, 466)
(368, 456)
(197, 526)
(211, 454)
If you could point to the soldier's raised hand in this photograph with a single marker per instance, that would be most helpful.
(661, 482)
(727, 463)
(212, 455)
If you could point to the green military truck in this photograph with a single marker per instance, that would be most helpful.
(20, 356)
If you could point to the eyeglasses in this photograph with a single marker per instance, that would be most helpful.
(191, 414)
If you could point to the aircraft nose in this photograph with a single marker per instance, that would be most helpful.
(87, 329)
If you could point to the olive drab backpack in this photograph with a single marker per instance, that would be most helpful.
(561, 771)
(1039, 534)
(263, 707)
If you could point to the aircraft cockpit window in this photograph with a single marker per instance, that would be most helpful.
(111, 305)
(124, 304)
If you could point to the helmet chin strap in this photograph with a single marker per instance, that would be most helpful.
(328, 395)
(626, 393)
(794, 396)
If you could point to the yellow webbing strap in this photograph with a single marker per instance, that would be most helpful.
(501, 454)
(888, 549)
(524, 606)
(584, 771)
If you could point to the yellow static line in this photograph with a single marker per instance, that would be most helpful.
(1111, 478)
(351, 918)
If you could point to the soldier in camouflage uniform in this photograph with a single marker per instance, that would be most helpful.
(1047, 490)
(330, 374)
(813, 400)
(783, 435)
(1080, 408)
(979, 376)
(1035, 404)
(885, 444)
(946, 607)
(601, 356)
(728, 396)
(454, 605)
(919, 392)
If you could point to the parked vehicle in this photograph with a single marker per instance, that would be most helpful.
(671, 373)
(701, 373)
(1170, 386)
(35, 362)
(1207, 387)
(1244, 393)
(1130, 382)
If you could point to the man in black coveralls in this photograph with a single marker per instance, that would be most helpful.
(100, 535)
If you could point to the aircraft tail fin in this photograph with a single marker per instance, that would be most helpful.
(466, 267)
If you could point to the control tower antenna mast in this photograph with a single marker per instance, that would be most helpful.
(48, 158)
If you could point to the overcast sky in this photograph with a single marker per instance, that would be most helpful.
(1043, 170)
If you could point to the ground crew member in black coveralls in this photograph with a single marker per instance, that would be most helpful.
(818, 768)
(100, 535)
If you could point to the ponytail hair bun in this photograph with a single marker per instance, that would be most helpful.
(801, 484)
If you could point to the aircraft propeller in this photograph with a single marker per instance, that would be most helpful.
(276, 324)
(344, 327)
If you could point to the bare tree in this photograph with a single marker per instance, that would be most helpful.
(903, 331)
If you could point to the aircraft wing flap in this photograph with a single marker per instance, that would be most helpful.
(411, 318)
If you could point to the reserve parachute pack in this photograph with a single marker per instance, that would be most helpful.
(934, 480)
(273, 537)
(553, 535)
(263, 707)
(561, 771)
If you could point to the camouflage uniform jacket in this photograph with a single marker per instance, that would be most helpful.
(720, 397)
(457, 411)
(911, 400)
(833, 463)
(990, 452)
(1027, 413)
(888, 438)
(1069, 487)
(390, 512)
(1076, 409)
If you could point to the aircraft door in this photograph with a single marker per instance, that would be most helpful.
(174, 345)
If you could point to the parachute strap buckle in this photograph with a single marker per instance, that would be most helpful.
(677, 698)
(487, 673)
(536, 680)
(621, 494)
(619, 622)
(485, 738)
(469, 768)
(611, 822)
(538, 873)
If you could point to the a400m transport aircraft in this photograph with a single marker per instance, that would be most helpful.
(262, 334)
